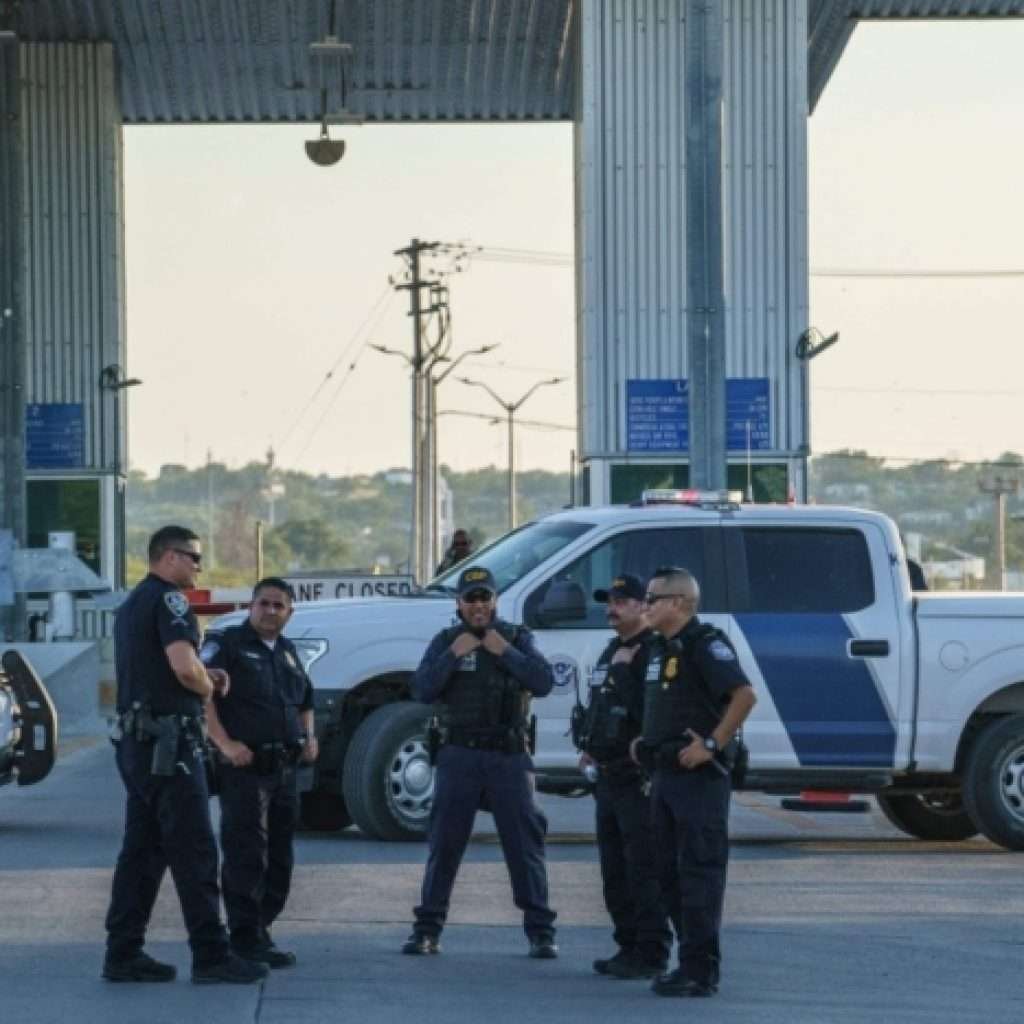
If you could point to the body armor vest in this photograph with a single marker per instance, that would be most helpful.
(608, 728)
(482, 697)
(676, 697)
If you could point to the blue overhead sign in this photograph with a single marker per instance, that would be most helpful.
(54, 435)
(658, 415)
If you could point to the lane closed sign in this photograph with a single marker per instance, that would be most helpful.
(327, 588)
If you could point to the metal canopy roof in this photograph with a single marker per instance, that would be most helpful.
(248, 61)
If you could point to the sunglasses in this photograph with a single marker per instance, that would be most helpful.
(655, 598)
(197, 558)
(477, 597)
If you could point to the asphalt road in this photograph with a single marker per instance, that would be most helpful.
(829, 918)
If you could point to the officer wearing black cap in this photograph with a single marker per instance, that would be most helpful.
(262, 728)
(484, 670)
(625, 838)
(697, 698)
(162, 687)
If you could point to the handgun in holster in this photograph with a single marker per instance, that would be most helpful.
(436, 735)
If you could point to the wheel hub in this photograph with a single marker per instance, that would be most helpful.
(1011, 783)
(411, 781)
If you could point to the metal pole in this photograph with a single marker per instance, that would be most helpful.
(511, 468)
(259, 550)
(211, 552)
(12, 324)
(704, 249)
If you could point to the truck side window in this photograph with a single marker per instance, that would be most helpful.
(639, 552)
(807, 570)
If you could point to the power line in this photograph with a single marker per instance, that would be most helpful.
(495, 420)
(369, 322)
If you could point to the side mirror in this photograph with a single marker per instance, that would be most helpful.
(563, 602)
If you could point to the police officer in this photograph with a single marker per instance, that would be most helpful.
(697, 697)
(262, 728)
(161, 690)
(625, 838)
(484, 670)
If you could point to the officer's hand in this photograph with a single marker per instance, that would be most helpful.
(221, 681)
(495, 643)
(310, 751)
(464, 643)
(695, 754)
(624, 655)
(585, 759)
(237, 753)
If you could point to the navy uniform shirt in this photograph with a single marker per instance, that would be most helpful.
(155, 615)
(521, 660)
(628, 679)
(269, 688)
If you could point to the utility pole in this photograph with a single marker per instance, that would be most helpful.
(211, 554)
(999, 486)
(510, 411)
(414, 283)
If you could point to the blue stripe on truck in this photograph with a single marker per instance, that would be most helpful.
(828, 702)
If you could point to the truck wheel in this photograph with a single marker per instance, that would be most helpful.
(321, 811)
(388, 781)
(994, 782)
(938, 816)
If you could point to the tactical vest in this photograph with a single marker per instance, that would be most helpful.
(481, 697)
(676, 698)
(608, 728)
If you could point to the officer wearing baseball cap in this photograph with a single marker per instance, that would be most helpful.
(484, 672)
(625, 838)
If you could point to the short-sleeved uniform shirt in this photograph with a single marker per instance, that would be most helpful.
(155, 615)
(269, 687)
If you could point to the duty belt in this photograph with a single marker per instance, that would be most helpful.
(508, 741)
(271, 758)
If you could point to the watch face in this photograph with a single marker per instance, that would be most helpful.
(710, 744)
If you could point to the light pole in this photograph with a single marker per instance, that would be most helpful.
(432, 385)
(510, 410)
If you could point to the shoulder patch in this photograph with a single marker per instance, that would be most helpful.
(721, 651)
(177, 603)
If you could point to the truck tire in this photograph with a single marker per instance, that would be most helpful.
(937, 816)
(388, 781)
(994, 782)
(320, 811)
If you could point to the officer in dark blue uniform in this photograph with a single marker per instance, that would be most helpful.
(625, 838)
(162, 687)
(484, 670)
(697, 698)
(262, 728)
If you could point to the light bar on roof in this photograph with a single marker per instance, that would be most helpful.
(691, 497)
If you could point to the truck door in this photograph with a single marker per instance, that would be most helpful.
(815, 623)
(574, 644)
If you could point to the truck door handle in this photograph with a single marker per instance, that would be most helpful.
(867, 648)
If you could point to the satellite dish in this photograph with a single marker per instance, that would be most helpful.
(325, 151)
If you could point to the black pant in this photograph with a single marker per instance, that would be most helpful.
(629, 867)
(259, 814)
(691, 821)
(463, 776)
(167, 824)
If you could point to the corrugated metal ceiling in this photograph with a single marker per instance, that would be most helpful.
(413, 60)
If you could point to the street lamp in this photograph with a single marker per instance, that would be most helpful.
(510, 410)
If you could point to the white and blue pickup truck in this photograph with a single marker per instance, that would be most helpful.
(862, 685)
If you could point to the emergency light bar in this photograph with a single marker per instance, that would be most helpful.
(721, 500)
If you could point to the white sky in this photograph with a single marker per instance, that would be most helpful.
(252, 273)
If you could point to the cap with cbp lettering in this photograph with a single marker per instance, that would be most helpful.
(622, 586)
(476, 578)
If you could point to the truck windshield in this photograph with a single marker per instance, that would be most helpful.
(511, 557)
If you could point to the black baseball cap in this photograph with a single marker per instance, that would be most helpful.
(622, 586)
(476, 577)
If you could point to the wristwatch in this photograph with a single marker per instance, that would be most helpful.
(711, 744)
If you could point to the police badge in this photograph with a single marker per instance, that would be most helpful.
(671, 668)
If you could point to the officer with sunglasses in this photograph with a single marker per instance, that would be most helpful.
(162, 688)
(261, 729)
(484, 672)
(697, 697)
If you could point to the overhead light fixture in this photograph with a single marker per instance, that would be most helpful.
(325, 151)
